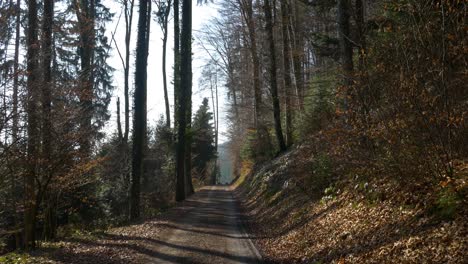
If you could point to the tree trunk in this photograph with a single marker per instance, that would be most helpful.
(15, 116)
(273, 81)
(217, 112)
(166, 96)
(345, 41)
(188, 152)
(119, 124)
(85, 14)
(360, 32)
(125, 145)
(47, 86)
(16, 73)
(184, 97)
(176, 62)
(139, 119)
(288, 73)
(32, 123)
(186, 86)
(247, 12)
(298, 52)
(214, 102)
(128, 33)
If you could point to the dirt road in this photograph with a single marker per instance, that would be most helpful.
(206, 229)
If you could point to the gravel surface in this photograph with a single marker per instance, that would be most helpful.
(206, 229)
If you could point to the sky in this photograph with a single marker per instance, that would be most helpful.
(156, 108)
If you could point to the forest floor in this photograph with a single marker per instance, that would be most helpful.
(353, 220)
(206, 228)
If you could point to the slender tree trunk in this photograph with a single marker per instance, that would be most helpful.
(214, 102)
(145, 100)
(15, 112)
(176, 62)
(166, 96)
(288, 73)
(139, 119)
(360, 32)
(186, 85)
(273, 78)
(297, 33)
(179, 113)
(247, 11)
(217, 112)
(16, 73)
(345, 42)
(128, 34)
(119, 124)
(33, 135)
(47, 87)
(188, 151)
(165, 32)
(217, 127)
(124, 144)
(85, 14)
(232, 86)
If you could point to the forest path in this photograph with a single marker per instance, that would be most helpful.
(207, 228)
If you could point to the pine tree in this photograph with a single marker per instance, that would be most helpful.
(203, 149)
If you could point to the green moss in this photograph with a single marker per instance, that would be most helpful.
(447, 204)
(15, 258)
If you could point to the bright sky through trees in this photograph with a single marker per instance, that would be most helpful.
(201, 15)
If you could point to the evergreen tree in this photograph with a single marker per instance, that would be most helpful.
(203, 147)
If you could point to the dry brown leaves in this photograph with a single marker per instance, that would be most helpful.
(350, 228)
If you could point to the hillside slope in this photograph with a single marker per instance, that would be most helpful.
(299, 213)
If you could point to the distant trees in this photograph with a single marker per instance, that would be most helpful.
(299, 65)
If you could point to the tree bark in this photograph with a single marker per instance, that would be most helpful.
(139, 119)
(33, 135)
(360, 32)
(85, 14)
(15, 116)
(288, 73)
(186, 85)
(176, 62)
(165, 32)
(345, 41)
(47, 86)
(119, 124)
(298, 52)
(128, 33)
(16, 73)
(273, 77)
(247, 12)
(184, 98)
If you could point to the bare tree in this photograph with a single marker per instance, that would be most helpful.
(164, 9)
